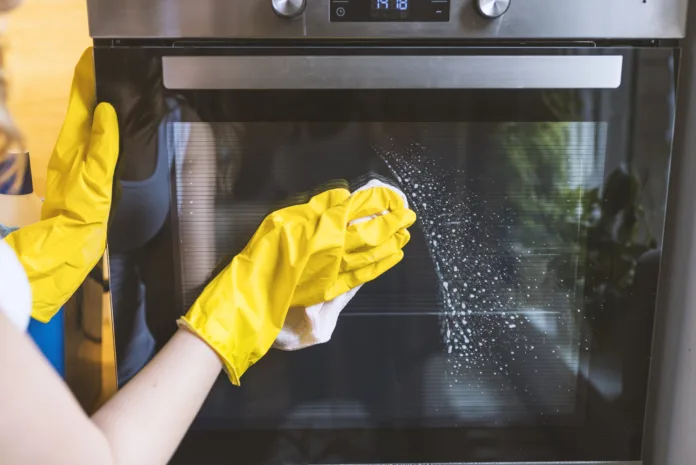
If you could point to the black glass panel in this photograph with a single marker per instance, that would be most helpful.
(518, 326)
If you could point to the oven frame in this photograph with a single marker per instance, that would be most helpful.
(220, 75)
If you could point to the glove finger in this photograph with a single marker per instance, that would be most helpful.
(78, 119)
(378, 230)
(352, 279)
(328, 199)
(97, 174)
(374, 201)
(358, 260)
(103, 149)
(319, 273)
(84, 81)
(317, 205)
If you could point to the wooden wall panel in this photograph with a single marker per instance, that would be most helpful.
(44, 38)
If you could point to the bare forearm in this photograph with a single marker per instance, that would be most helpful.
(147, 419)
(145, 422)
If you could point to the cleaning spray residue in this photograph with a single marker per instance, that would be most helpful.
(485, 303)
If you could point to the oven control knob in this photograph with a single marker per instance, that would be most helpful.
(492, 8)
(289, 8)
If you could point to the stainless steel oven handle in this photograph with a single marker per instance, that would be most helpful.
(392, 72)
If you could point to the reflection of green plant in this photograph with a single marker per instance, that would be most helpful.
(611, 223)
(544, 201)
(562, 107)
(603, 228)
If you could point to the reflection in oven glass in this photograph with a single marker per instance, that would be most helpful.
(486, 321)
(504, 307)
(140, 241)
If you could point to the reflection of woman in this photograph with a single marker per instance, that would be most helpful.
(140, 235)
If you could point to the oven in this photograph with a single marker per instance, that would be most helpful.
(532, 138)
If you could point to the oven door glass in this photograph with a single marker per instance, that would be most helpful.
(518, 326)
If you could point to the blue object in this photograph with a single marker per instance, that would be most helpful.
(51, 340)
(5, 231)
(27, 186)
(48, 336)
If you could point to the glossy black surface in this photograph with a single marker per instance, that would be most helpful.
(540, 227)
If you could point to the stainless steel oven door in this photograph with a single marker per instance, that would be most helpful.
(517, 328)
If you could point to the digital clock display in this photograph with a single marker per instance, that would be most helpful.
(384, 11)
(390, 5)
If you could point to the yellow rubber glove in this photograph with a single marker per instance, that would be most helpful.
(59, 251)
(300, 256)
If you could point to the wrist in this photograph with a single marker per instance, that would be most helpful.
(213, 342)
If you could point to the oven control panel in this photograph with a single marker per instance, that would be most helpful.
(388, 19)
(390, 11)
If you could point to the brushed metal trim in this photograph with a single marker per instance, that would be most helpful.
(527, 19)
(520, 463)
(392, 72)
(671, 406)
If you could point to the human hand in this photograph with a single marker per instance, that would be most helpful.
(299, 256)
(59, 251)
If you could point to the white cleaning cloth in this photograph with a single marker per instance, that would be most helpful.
(306, 327)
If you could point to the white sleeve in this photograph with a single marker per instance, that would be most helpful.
(15, 293)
